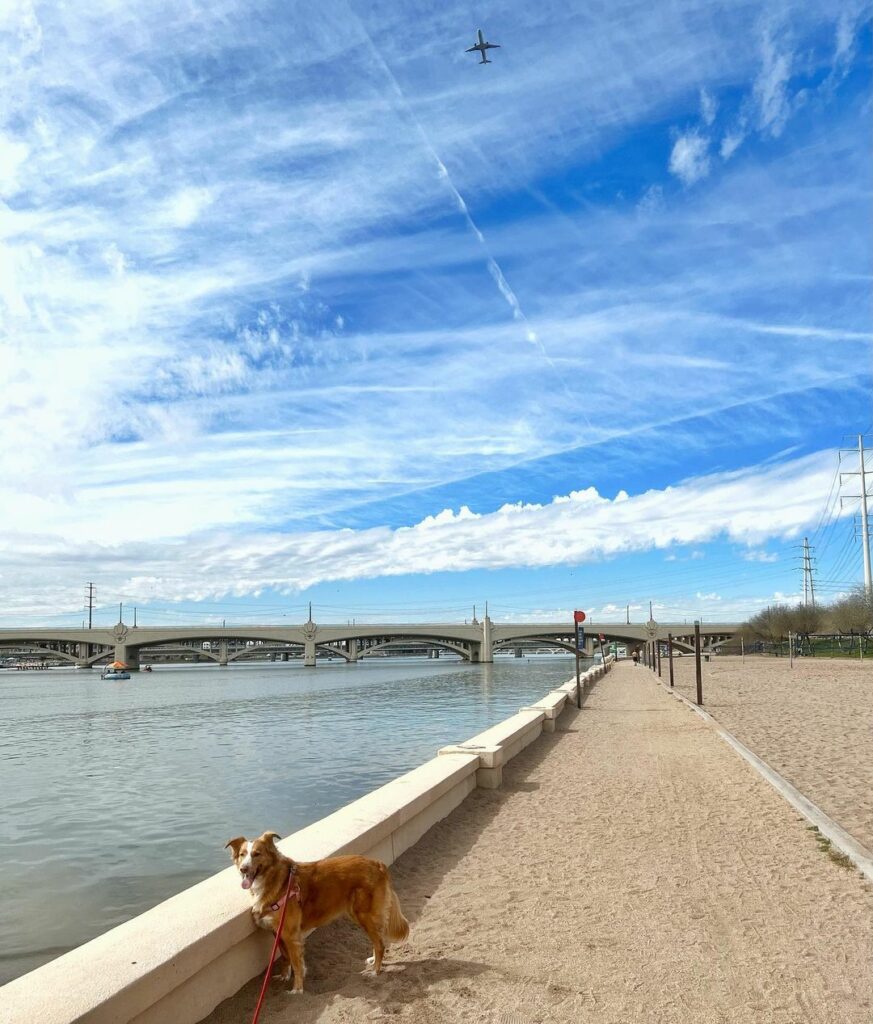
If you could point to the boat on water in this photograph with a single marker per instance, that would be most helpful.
(115, 670)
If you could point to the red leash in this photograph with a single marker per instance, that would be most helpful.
(267, 976)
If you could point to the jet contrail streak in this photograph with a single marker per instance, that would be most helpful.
(494, 270)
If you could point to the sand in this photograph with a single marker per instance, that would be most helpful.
(632, 868)
(813, 723)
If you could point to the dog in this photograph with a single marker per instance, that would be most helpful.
(320, 891)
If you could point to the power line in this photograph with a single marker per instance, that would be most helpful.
(865, 524)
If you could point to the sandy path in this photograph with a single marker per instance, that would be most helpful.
(633, 868)
(813, 723)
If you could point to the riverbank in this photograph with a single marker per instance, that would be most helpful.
(201, 945)
(632, 868)
(812, 722)
(124, 767)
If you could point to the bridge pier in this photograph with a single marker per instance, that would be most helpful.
(352, 648)
(222, 653)
(486, 648)
(128, 655)
(309, 653)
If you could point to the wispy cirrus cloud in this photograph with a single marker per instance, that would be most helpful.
(227, 253)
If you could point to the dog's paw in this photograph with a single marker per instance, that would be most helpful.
(370, 961)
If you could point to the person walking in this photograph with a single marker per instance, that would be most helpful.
(635, 657)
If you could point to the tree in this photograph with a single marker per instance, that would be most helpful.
(852, 613)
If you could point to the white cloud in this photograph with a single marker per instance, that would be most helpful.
(770, 91)
(845, 37)
(115, 259)
(183, 208)
(12, 157)
(759, 556)
(689, 158)
(731, 143)
(748, 507)
(711, 597)
(708, 107)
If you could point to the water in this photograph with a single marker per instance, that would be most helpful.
(116, 795)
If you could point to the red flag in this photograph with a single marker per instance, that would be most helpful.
(578, 616)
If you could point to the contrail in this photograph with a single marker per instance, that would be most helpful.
(494, 270)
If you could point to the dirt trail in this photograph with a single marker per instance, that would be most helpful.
(812, 722)
(632, 869)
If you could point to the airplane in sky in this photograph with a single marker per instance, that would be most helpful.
(482, 46)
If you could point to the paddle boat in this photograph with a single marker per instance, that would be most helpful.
(115, 670)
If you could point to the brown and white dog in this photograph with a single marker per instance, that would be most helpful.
(321, 890)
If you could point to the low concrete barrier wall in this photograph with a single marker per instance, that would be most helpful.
(179, 960)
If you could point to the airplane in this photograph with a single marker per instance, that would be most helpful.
(482, 46)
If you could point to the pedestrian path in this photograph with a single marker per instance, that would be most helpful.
(632, 869)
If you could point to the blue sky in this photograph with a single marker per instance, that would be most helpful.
(304, 304)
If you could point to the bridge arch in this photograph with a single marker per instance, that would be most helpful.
(448, 645)
(32, 648)
(539, 641)
(181, 649)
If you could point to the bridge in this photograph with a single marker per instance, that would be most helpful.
(476, 641)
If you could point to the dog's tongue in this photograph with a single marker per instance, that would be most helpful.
(246, 882)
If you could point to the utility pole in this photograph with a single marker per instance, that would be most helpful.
(627, 615)
(865, 525)
(89, 599)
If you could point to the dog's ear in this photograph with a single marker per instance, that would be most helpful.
(234, 845)
(271, 837)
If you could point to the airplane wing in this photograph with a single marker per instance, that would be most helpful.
(472, 48)
(492, 46)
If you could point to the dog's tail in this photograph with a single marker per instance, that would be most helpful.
(398, 926)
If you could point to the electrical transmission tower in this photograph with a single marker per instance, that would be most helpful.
(861, 472)
(807, 567)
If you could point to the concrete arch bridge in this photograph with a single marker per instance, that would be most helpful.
(474, 641)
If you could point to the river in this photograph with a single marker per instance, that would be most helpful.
(116, 795)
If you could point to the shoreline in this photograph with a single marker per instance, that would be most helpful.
(200, 946)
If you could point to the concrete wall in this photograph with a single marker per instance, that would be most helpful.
(179, 960)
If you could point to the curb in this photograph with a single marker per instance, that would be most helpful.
(859, 855)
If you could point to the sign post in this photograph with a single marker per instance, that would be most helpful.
(578, 619)
(699, 672)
